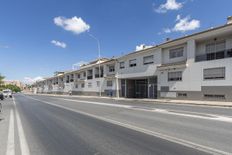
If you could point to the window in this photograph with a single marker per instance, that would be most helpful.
(90, 85)
(82, 85)
(132, 63)
(215, 47)
(215, 96)
(182, 94)
(76, 85)
(215, 50)
(175, 53)
(67, 79)
(229, 53)
(122, 65)
(90, 74)
(148, 60)
(109, 83)
(214, 73)
(175, 76)
(111, 68)
(89, 77)
(84, 74)
(78, 76)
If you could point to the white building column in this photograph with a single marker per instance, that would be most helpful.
(104, 70)
(191, 50)
(117, 85)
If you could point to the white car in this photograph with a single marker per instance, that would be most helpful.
(7, 93)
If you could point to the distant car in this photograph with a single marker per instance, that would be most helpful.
(7, 93)
(1, 96)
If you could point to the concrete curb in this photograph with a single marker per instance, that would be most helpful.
(165, 101)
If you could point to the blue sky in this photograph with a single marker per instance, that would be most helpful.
(34, 44)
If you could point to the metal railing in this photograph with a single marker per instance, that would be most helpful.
(213, 56)
(97, 75)
(89, 77)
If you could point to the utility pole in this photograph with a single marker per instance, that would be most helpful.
(99, 59)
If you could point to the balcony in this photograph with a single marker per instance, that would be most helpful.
(97, 75)
(90, 77)
(214, 56)
(80, 79)
(55, 83)
(110, 75)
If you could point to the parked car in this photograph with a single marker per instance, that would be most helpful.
(1, 96)
(7, 93)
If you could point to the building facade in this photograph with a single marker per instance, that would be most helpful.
(96, 78)
(14, 82)
(196, 67)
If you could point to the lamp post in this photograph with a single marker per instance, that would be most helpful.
(99, 59)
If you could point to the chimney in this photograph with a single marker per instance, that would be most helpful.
(168, 39)
(229, 20)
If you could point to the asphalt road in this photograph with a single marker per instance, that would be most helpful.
(56, 125)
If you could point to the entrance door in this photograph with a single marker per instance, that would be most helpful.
(141, 88)
(123, 88)
(152, 86)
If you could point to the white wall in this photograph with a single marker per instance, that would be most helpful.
(192, 78)
(165, 54)
(140, 70)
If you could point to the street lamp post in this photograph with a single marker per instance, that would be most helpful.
(99, 59)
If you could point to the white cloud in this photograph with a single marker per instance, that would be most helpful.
(141, 47)
(183, 25)
(186, 24)
(167, 30)
(59, 44)
(74, 24)
(78, 64)
(169, 5)
(30, 80)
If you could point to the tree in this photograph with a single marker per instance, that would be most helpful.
(14, 88)
(1, 80)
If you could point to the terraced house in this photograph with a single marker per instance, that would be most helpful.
(94, 78)
(197, 67)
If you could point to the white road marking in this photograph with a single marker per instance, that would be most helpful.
(163, 111)
(22, 139)
(152, 133)
(98, 103)
(10, 142)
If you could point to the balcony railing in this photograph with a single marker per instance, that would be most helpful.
(214, 56)
(110, 73)
(97, 75)
(89, 77)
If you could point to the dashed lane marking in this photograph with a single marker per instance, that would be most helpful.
(10, 141)
(22, 139)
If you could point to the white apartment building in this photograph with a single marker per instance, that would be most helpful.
(196, 67)
(94, 78)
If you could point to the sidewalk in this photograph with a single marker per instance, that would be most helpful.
(165, 101)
